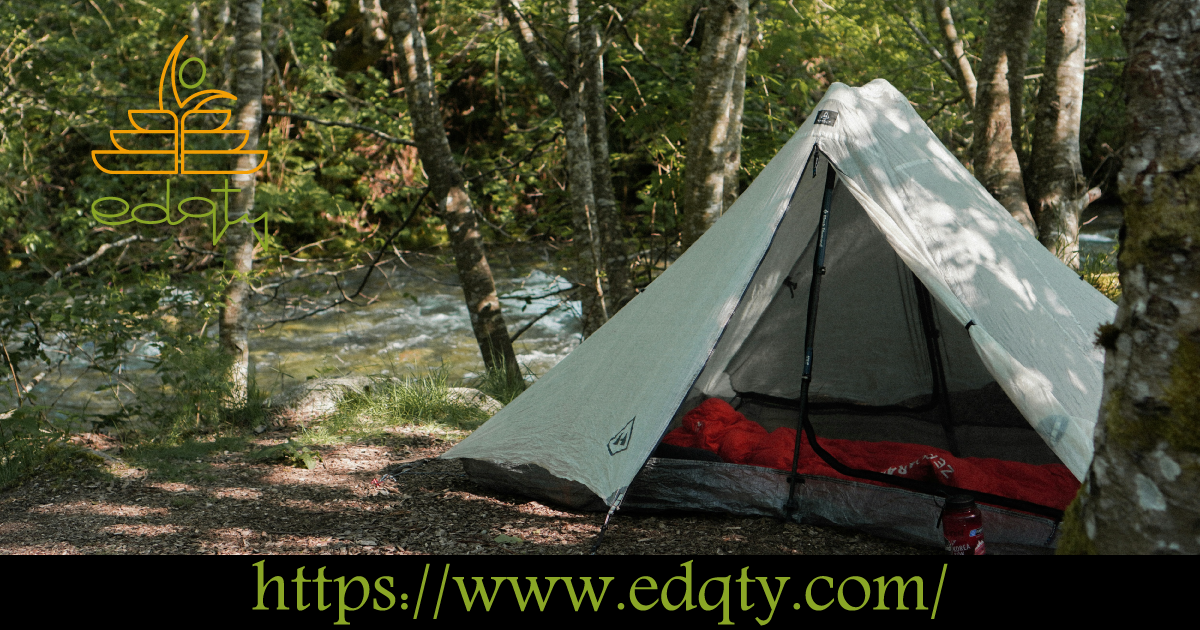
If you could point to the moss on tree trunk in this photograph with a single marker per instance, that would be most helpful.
(1142, 494)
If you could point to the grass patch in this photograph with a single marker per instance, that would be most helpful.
(183, 461)
(288, 453)
(1100, 271)
(28, 442)
(498, 385)
(61, 461)
(183, 501)
(423, 402)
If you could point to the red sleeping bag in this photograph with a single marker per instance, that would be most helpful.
(715, 426)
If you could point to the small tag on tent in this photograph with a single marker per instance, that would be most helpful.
(620, 441)
(826, 117)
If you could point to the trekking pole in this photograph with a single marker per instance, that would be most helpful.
(810, 326)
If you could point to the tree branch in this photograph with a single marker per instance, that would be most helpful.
(638, 47)
(374, 263)
(333, 123)
(101, 251)
(954, 46)
(535, 320)
(527, 40)
(932, 49)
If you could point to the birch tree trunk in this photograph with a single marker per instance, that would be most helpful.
(1059, 187)
(239, 238)
(585, 217)
(954, 49)
(619, 287)
(997, 121)
(567, 93)
(1142, 494)
(725, 26)
(449, 187)
(733, 138)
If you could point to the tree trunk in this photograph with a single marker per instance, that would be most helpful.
(585, 217)
(197, 32)
(954, 49)
(733, 139)
(725, 26)
(239, 238)
(1059, 187)
(997, 166)
(1142, 493)
(619, 288)
(567, 95)
(449, 187)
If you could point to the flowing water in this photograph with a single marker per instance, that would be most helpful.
(420, 323)
(411, 320)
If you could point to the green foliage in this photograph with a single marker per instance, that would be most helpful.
(1074, 540)
(184, 460)
(1100, 271)
(388, 404)
(288, 453)
(26, 442)
(195, 397)
(59, 461)
(497, 384)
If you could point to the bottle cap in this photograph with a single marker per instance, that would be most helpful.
(960, 501)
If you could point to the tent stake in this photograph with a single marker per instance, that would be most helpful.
(810, 325)
(604, 526)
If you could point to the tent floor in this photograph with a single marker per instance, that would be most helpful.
(686, 485)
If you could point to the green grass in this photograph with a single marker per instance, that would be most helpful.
(62, 461)
(1100, 271)
(178, 462)
(422, 402)
(495, 383)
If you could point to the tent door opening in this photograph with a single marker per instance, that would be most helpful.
(837, 338)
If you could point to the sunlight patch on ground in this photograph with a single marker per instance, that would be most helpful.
(174, 487)
(8, 529)
(140, 529)
(235, 493)
(81, 508)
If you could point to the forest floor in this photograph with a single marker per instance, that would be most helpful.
(219, 496)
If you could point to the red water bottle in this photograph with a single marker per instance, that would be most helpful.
(962, 525)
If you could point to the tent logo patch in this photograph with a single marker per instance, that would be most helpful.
(826, 117)
(620, 441)
(1053, 427)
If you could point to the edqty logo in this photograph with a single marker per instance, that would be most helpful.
(176, 129)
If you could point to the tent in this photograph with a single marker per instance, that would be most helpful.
(938, 321)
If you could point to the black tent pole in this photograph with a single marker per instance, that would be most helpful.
(941, 393)
(810, 325)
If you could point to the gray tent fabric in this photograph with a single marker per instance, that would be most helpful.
(723, 318)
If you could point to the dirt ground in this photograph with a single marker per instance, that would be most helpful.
(231, 503)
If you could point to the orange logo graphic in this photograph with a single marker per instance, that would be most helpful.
(178, 136)
(179, 131)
